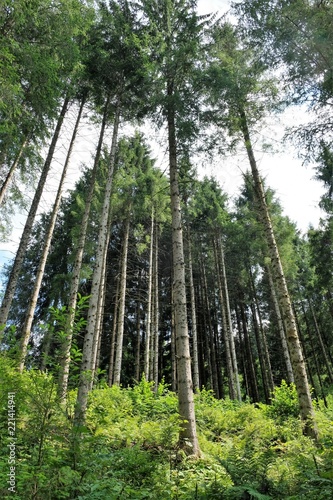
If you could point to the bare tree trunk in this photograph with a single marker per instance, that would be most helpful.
(152, 326)
(285, 350)
(321, 343)
(225, 327)
(207, 326)
(46, 249)
(75, 281)
(100, 315)
(210, 344)
(265, 348)
(122, 296)
(138, 342)
(229, 321)
(88, 344)
(260, 355)
(101, 302)
(156, 310)
(252, 380)
(295, 351)
(242, 350)
(173, 344)
(114, 333)
(304, 345)
(307, 325)
(12, 169)
(196, 383)
(218, 353)
(262, 348)
(15, 271)
(147, 364)
(188, 433)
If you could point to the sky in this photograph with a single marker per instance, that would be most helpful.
(293, 183)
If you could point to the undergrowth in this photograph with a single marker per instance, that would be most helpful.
(128, 447)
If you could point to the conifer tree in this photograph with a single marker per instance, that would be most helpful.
(177, 31)
(236, 81)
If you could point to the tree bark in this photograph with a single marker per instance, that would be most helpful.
(196, 382)
(114, 333)
(228, 315)
(207, 327)
(173, 343)
(252, 380)
(296, 357)
(88, 344)
(260, 355)
(304, 346)
(261, 342)
(188, 434)
(285, 350)
(156, 309)
(225, 327)
(75, 281)
(122, 296)
(321, 343)
(46, 249)
(138, 342)
(147, 363)
(16, 268)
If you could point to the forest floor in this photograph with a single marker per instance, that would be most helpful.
(128, 447)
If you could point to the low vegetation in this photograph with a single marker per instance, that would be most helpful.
(128, 447)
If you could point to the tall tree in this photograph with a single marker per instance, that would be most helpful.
(12, 282)
(236, 81)
(46, 248)
(177, 35)
(120, 61)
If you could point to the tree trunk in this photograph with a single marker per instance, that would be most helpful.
(100, 315)
(229, 320)
(114, 333)
(304, 345)
(45, 252)
(122, 297)
(261, 338)
(100, 307)
(138, 342)
(88, 344)
(16, 268)
(252, 379)
(207, 327)
(218, 354)
(260, 355)
(188, 433)
(285, 350)
(196, 383)
(225, 327)
(296, 357)
(12, 169)
(156, 310)
(313, 353)
(147, 364)
(321, 343)
(173, 343)
(228, 315)
(242, 350)
(75, 281)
